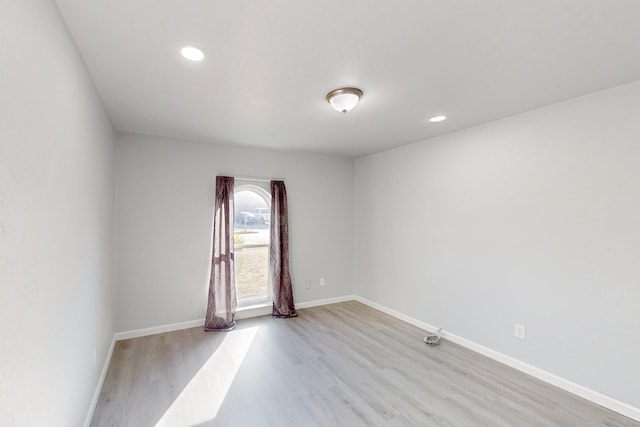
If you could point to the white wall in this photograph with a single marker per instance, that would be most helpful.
(532, 219)
(56, 217)
(164, 210)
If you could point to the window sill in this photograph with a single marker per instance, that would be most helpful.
(254, 309)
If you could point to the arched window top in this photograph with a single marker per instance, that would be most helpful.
(258, 190)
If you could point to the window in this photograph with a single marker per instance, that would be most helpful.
(251, 243)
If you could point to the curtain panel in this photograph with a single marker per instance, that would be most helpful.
(221, 307)
(279, 256)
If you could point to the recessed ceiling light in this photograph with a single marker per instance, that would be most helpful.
(192, 53)
(437, 119)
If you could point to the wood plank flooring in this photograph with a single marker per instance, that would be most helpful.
(337, 365)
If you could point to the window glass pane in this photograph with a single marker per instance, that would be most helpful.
(251, 241)
(252, 273)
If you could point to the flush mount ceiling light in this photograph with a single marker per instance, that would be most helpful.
(192, 53)
(437, 119)
(343, 100)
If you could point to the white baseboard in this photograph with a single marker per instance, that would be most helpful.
(98, 389)
(577, 389)
(137, 333)
(242, 313)
(325, 301)
(408, 319)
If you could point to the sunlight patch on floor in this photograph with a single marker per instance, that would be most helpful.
(202, 397)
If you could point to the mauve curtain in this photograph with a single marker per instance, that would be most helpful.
(279, 256)
(221, 308)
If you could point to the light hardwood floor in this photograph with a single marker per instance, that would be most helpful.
(337, 365)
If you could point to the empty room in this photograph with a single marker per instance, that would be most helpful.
(323, 213)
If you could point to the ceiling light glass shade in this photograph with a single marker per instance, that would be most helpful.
(192, 53)
(343, 100)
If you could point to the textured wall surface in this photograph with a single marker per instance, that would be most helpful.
(533, 220)
(56, 222)
(165, 191)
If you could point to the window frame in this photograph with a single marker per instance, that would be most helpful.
(264, 192)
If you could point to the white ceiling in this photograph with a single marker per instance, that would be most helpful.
(269, 65)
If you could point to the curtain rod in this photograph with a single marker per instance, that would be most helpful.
(244, 178)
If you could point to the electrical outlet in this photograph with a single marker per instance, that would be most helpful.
(307, 284)
(322, 283)
(519, 331)
(95, 357)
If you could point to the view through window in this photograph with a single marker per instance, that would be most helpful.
(251, 243)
